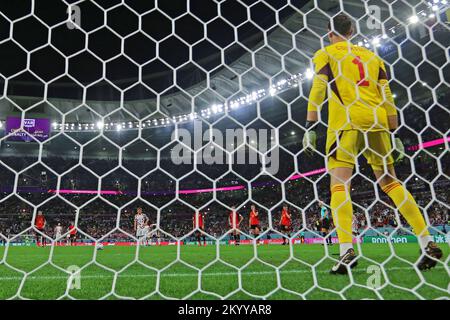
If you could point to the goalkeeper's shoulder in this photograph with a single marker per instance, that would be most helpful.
(320, 55)
(380, 63)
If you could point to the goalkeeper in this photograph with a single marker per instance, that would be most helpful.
(362, 119)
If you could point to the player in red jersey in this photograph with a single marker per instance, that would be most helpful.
(254, 224)
(286, 224)
(72, 234)
(40, 224)
(234, 221)
(198, 224)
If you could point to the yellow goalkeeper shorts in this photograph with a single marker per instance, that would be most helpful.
(343, 148)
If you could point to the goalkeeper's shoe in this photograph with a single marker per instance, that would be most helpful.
(347, 260)
(432, 254)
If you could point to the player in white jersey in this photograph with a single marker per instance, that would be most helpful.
(149, 232)
(140, 221)
(146, 235)
(58, 233)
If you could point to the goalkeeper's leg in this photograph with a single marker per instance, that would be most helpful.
(409, 209)
(342, 149)
(342, 212)
(384, 171)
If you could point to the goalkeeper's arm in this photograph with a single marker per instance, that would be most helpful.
(391, 111)
(398, 144)
(316, 98)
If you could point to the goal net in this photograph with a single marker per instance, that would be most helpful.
(154, 149)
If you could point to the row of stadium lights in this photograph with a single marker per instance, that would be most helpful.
(216, 109)
(279, 87)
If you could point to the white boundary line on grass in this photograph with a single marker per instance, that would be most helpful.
(176, 275)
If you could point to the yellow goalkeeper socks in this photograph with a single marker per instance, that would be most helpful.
(342, 211)
(407, 206)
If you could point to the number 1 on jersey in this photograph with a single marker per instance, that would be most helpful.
(362, 73)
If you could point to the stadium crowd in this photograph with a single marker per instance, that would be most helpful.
(424, 173)
(98, 217)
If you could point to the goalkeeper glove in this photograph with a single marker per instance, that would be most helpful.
(400, 148)
(309, 139)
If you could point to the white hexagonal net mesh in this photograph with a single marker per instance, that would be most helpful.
(195, 106)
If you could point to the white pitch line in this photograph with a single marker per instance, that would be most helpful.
(176, 275)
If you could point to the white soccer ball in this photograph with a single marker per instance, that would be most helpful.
(99, 246)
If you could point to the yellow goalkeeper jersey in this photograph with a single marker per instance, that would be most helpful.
(355, 78)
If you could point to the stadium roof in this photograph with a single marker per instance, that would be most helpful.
(278, 51)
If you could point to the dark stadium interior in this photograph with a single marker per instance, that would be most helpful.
(154, 77)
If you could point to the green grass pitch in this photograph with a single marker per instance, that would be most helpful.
(129, 273)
